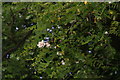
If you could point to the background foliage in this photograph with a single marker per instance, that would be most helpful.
(84, 38)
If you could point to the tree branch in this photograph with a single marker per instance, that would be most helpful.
(11, 38)
(17, 46)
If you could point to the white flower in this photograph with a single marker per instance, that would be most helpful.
(58, 27)
(58, 53)
(115, 72)
(89, 51)
(20, 15)
(55, 47)
(41, 77)
(63, 63)
(106, 32)
(53, 28)
(48, 29)
(47, 44)
(17, 28)
(41, 44)
(110, 2)
(77, 62)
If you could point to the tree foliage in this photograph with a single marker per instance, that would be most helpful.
(84, 40)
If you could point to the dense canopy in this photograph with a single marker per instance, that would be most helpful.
(43, 40)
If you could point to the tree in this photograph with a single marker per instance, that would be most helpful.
(61, 40)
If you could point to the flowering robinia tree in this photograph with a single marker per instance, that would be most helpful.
(61, 40)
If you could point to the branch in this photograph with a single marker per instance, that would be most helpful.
(17, 46)
(11, 38)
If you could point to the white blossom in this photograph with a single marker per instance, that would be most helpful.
(77, 62)
(41, 44)
(48, 29)
(47, 44)
(63, 63)
(110, 2)
(53, 28)
(58, 53)
(55, 47)
(58, 27)
(106, 32)
(41, 77)
(115, 72)
(17, 28)
(89, 51)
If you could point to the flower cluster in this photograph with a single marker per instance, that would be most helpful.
(43, 44)
(63, 63)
